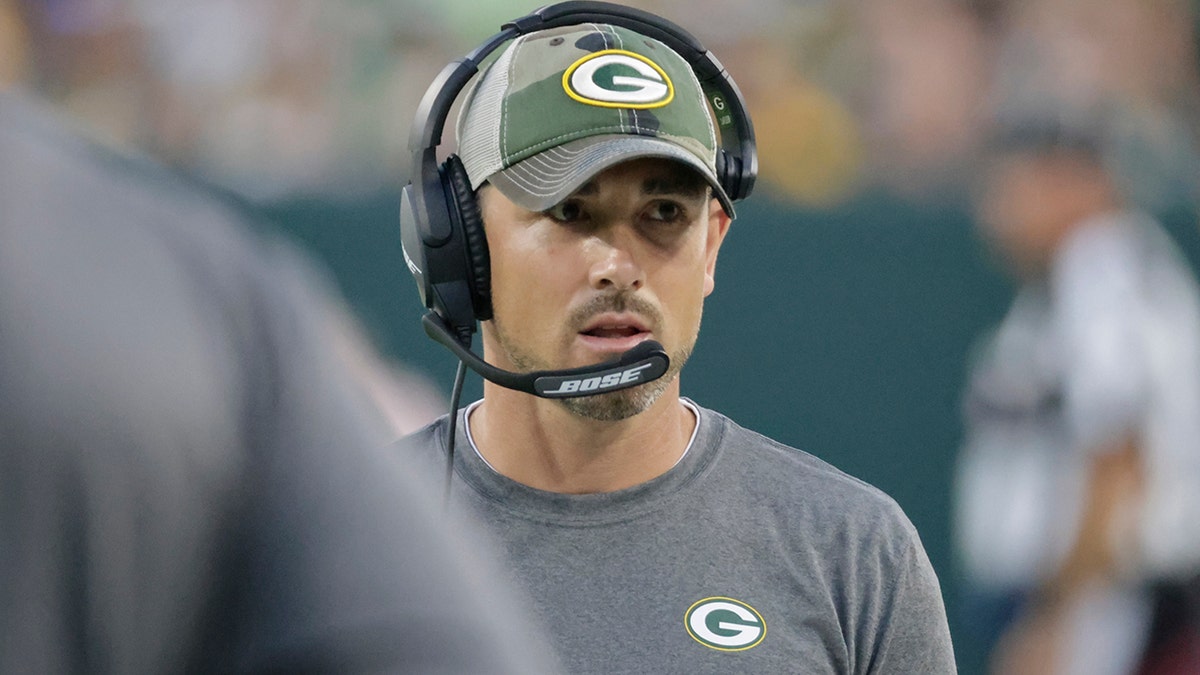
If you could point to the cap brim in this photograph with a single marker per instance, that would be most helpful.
(549, 177)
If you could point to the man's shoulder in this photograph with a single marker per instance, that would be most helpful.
(427, 438)
(427, 445)
(799, 480)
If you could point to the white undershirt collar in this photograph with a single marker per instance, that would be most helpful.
(471, 439)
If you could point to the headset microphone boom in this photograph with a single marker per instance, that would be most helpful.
(643, 363)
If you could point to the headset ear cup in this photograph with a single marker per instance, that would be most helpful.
(474, 237)
(729, 172)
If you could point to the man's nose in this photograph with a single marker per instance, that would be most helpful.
(614, 265)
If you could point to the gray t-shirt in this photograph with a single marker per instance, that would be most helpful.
(747, 556)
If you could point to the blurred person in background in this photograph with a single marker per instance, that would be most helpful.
(1078, 490)
(192, 479)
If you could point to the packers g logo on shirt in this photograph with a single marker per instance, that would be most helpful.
(725, 624)
(615, 78)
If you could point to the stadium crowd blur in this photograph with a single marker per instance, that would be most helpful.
(302, 107)
(283, 97)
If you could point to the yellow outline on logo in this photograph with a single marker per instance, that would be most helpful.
(687, 624)
(566, 82)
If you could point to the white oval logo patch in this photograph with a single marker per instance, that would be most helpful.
(615, 78)
(725, 624)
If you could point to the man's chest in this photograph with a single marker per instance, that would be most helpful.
(640, 598)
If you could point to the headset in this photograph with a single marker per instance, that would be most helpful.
(442, 230)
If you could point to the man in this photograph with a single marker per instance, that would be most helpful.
(654, 535)
(189, 480)
(1079, 483)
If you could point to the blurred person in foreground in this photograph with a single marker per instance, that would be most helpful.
(190, 479)
(654, 535)
(1078, 489)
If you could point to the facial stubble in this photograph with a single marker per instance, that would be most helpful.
(611, 406)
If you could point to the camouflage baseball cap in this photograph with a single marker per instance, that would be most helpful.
(558, 106)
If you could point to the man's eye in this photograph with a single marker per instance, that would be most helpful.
(566, 212)
(665, 211)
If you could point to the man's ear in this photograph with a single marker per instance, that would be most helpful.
(718, 227)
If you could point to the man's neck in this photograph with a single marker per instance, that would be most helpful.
(542, 444)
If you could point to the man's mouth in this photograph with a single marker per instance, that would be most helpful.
(613, 331)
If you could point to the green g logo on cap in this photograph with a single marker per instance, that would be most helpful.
(615, 78)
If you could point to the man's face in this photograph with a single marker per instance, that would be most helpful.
(1030, 200)
(1016, 208)
(628, 257)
